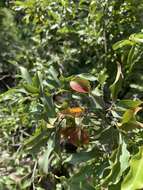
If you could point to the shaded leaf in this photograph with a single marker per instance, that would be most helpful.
(131, 125)
(38, 139)
(37, 81)
(75, 135)
(80, 157)
(54, 74)
(82, 180)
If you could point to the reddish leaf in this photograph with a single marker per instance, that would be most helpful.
(84, 137)
(75, 136)
(80, 85)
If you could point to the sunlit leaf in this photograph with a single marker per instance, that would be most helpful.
(87, 76)
(122, 43)
(128, 115)
(138, 38)
(116, 86)
(25, 75)
(119, 163)
(74, 111)
(134, 178)
(129, 121)
(31, 89)
(45, 158)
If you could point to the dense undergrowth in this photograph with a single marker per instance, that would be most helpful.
(71, 95)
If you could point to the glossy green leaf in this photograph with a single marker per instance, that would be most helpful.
(134, 179)
(131, 54)
(127, 103)
(31, 89)
(122, 43)
(138, 38)
(87, 76)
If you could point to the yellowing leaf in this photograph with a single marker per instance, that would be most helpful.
(74, 111)
(129, 121)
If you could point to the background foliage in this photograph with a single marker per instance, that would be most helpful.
(71, 94)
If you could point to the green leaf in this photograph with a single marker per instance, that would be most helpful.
(131, 55)
(44, 160)
(119, 163)
(80, 157)
(54, 74)
(128, 116)
(31, 89)
(115, 186)
(129, 103)
(97, 100)
(121, 44)
(81, 180)
(38, 139)
(49, 106)
(129, 121)
(116, 86)
(25, 75)
(37, 80)
(102, 77)
(138, 38)
(87, 76)
(134, 178)
(133, 124)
